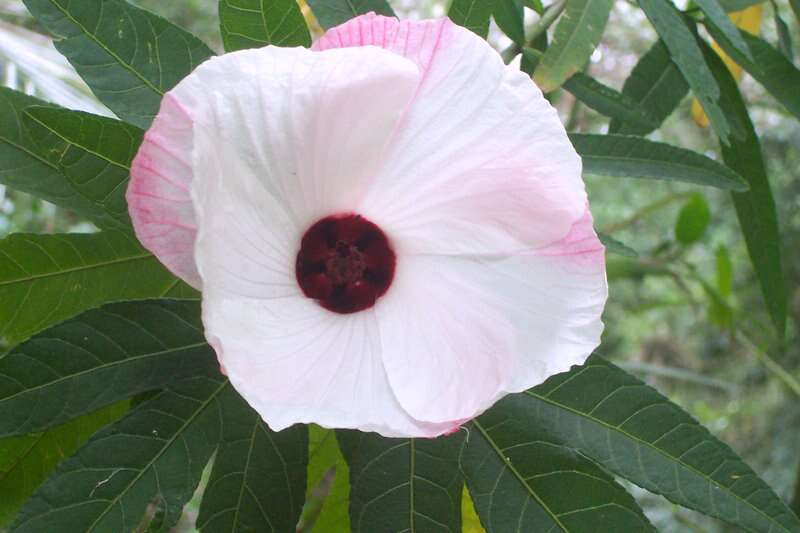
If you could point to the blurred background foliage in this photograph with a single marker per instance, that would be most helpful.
(686, 314)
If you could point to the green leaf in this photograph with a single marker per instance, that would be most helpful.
(45, 279)
(521, 480)
(256, 23)
(796, 8)
(755, 208)
(738, 5)
(330, 13)
(98, 358)
(693, 220)
(510, 17)
(576, 36)
(26, 461)
(472, 14)
(155, 454)
(714, 12)
(679, 40)
(657, 85)
(769, 67)
(403, 484)
(92, 153)
(634, 432)
(616, 247)
(129, 57)
(784, 35)
(25, 166)
(634, 157)
(259, 476)
(326, 459)
(724, 271)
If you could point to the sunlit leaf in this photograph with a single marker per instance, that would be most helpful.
(403, 484)
(684, 51)
(155, 454)
(98, 358)
(330, 13)
(45, 279)
(693, 220)
(255, 23)
(576, 36)
(656, 85)
(326, 464)
(755, 208)
(128, 56)
(635, 157)
(522, 480)
(259, 476)
(636, 433)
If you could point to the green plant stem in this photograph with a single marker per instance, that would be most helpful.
(771, 365)
(548, 17)
(645, 211)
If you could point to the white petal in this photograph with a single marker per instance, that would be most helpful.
(457, 333)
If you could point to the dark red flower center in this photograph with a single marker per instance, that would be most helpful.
(345, 262)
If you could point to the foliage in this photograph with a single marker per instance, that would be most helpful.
(95, 322)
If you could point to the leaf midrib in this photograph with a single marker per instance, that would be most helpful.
(652, 447)
(82, 268)
(518, 475)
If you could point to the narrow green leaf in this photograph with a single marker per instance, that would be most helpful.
(784, 36)
(257, 23)
(577, 34)
(616, 247)
(325, 459)
(26, 461)
(472, 14)
(634, 432)
(25, 166)
(259, 476)
(330, 13)
(521, 480)
(98, 358)
(155, 454)
(679, 40)
(657, 85)
(755, 208)
(738, 5)
(129, 57)
(796, 8)
(769, 67)
(693, 220)
(403, 484)
(714, 12)
(634, 157)
(45, 279)
(510, 17)
(93, 154)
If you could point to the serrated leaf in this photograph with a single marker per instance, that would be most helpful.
(324, 459)
(635, 157)
(256, 23)
(510, 18)
(616, 247)
(26, 461)
(714, 12)
(755, 208)
(92, 153)
(25, 166)
(577, 34)
(129, 57)
(656, 85)
(155, 454)
(259, 476)
(636, 433)
(330, 13)
(45, 279)
(693, 220)
(769, 67)
(98, 358)
(685, 53)
(403, 484)
(472, 14)
(521, 480)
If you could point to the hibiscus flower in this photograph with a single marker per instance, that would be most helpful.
(390, 230)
